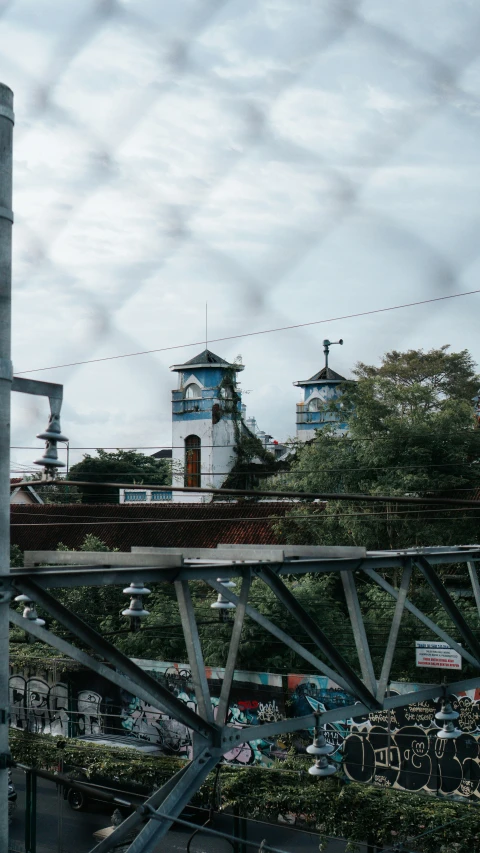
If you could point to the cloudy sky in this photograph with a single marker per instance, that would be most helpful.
(286, 161)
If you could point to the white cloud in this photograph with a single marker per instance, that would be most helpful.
(263, 160)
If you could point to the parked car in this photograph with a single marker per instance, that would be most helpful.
(126, 789)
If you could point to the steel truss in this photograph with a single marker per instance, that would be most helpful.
(48, 570)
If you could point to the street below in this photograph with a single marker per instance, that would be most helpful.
(62, 830)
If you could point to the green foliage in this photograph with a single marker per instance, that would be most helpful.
(412, 432)
(414, 383)
(90, 543)
(352, 811)
(42, 751)
(16, 557)
(331, 807)
(123, 466)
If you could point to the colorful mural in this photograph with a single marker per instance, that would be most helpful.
(397, 749)
(255, 698)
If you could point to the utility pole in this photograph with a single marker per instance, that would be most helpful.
(6, 220)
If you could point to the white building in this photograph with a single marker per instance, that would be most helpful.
(206, 422)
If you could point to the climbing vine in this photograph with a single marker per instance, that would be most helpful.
(245, 473)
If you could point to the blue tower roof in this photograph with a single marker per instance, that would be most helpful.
(326, 374)
(207, 358)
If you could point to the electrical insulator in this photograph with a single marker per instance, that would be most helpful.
(135, 611)
(222, 604)
(320, 749)
(446, 716)
(50, 461)
(29, 611)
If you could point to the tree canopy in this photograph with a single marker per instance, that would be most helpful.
(412, 431)
(123, 466)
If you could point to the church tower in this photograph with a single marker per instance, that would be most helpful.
(319, 393)
(206, 417)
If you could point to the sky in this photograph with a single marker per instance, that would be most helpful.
(284, 161)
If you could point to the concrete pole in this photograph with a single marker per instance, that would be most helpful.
(6, 219)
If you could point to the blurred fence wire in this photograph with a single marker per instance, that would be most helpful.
(170, 111)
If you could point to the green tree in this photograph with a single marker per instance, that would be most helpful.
(123, 466)
(412, 431)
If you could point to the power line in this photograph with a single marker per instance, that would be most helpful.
(250, 334)
(323, 516)
(273, 493)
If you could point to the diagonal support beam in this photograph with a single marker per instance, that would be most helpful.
(422, 618)
(472, 571)
(359, 633)
(233, 648)
(134, 820)
(277, 632)
(83, 632)
(86, 660)
(233, 737)
(304, 619)
(175, 801)
(194, 650)
(449, 605)
(394, 629)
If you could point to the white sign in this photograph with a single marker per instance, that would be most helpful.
(438, 655)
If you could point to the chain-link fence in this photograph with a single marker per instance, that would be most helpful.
(284, 161)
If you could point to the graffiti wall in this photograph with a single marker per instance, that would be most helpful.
(88, 705)
(255, 698)
(46, 708)
(399, 749)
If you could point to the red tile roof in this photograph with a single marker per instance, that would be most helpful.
(42, 527)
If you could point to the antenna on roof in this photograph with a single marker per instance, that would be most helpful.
(326, 347)
(206, 325)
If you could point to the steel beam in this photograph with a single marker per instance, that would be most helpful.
(233, 649)
(175, 801)
(194, 651)
(422, 618)
(472, 571)
(231, 737)
(359, 633)
(151, 696)
(6, 220)
(38, 387)
(134, 820)
(356, 686)
(111, 571)
(102, 559)
(449, 605)
(277, 632)
(83, 632)
(394, 629)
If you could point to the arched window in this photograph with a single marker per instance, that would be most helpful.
(192, 391)
(315, 405)
(192, 461)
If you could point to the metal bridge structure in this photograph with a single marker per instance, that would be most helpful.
(46, 571)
